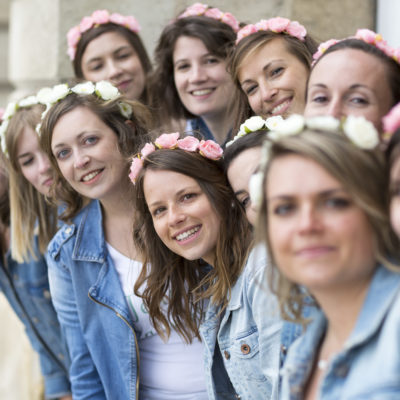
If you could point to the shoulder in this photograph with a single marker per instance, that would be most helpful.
(257, 263)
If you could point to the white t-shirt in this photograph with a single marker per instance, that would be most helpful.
(168, 371)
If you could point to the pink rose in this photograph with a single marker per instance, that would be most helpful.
(383, 46)
(323, 47)
(367, 35)
(189, 143)
(391, 121)
(262, 25)
(101, 17)
(194, 10)
(396, 54)
(167, 140)
(86, 24)
(229, 19)
(147, 149)
(117, 18)
(214, 13)
(210, 149)
(278, 24)
(73, 36)
(132, 24)
(245, 31)
(136, 166)
(297, 30)
(71, 53)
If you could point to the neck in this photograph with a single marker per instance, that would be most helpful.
(341, 308)
(219, 125)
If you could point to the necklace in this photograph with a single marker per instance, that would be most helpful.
(322, 364)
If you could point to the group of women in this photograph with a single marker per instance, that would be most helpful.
(250, 255)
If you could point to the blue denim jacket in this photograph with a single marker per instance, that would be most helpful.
(26, 287)
(369, 365)
(92, 311)
(242, 350)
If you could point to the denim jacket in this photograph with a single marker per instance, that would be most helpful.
(92, 311)
(368, 367)
(26, 287)
(242, 347)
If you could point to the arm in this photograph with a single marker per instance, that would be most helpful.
(84, 377)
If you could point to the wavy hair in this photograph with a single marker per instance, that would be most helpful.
(167, 274)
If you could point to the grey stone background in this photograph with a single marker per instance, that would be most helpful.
(33, 43)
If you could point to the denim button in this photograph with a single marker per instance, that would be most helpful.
(227, 355)
(245, 348)
(68, 230)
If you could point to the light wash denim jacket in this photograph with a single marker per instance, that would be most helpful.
(92, 311)
(26, 287)
(368, 368)
(242, 350)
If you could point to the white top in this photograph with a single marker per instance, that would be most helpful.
(168, 371)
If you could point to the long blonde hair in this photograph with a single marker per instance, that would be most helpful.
(29, 211)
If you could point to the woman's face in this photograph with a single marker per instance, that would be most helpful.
(112, 58)
(183, 216)
(87, 153)
(274, 80)
(395, 195)
(239, 173)
(319, 236)
(34, 163)
(349, 82)
(201, 80)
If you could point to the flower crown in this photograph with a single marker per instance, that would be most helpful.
(98, 17)
(9, 112)
(254, 124)
(358, 130)
(199, 9)
(391, 122)
(207, 148)
(102, 89)
(277, 25)
(367, 36)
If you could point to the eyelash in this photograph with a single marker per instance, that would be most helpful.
(27, 162)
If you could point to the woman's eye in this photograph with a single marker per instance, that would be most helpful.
(249, 90)
(337, 202)
(27, 161)
(157, 211)
(212, 60)
(277, 71)
(91, 140)
(320, 99)
(283, 209)
(244, 201)
(123, 55)
(188, 196)
(359, 100)
(62, 154)
(182, 67)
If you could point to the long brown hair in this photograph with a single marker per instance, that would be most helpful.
(169, 275)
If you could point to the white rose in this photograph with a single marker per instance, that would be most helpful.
(83, 88)
(361, 132)
(290, 126)
(126, 109)
(44, 95)
(256, 189)
(323, 123)
(28, 101)
(59, 92)
(253, 124)
(242, 131)
(3, 127)
(272, 122)
(9, 111)
(3, 145)
(106, 90)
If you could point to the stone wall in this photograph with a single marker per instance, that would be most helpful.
(37, 29)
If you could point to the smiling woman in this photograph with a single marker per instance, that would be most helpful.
(329, 237)
(107, 46)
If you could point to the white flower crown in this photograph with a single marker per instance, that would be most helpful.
(102, 89)
(361, 132)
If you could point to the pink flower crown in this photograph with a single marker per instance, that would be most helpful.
(199, 9)
(207, 148)
(98, 17)
(391, 122)
(367, 36)
(277, 25)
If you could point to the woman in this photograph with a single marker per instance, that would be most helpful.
(270, 65)
(190, 80)
(107, 46)
(391, 125)
(330, 234)
(369, 83)
(93, 261)
(23, 270)
(196, 247)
